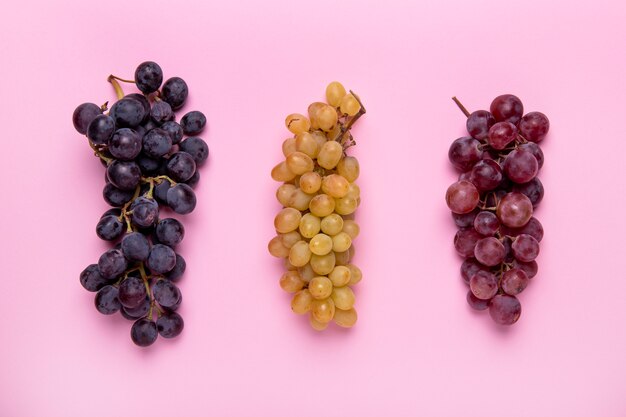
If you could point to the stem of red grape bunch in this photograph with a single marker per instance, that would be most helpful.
(461, 106)
(118, 88)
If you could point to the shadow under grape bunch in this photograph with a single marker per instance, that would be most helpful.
(493, 201)
(152, 164)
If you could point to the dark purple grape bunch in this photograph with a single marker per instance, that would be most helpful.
(493, 202)
(151, 165)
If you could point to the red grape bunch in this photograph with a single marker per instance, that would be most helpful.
(318, 194)
(493, 202)
(151, 163)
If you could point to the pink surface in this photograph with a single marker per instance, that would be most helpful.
(417, 349)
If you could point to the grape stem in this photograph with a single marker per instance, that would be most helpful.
(118, 88)
(125, 212)
(345, 137)
(121, 79)
(461, 106)
(98, 153)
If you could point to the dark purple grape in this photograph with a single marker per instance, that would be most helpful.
(507, 108)
(465, 241)
(530, 268)
(166, 293)
(478, 124)
(83, 115)
(532, 189)
(156, 143)
(194, 180)
(135, 313)
(91, 280)
(514, 281)
(132, 292)
(181, 166)
(464, 153)
(112, 264)
(484, 285)
(175, 306)
(181, 199)
(161, 112)
(501, 134)
(466, 219)
(128, 112)
(116, 197)
(135, 247)
(109, 228)
(179, 269)
(193, 123)
(505, 309)
(534, 126)
(525, 248)
(144, 332)
(486, 223)
(148, 166)
(476, 303)
(125, 175)
(175, 92)
(462, 197)
(170, 325)
(162, 259)
(101, 129)
(170, 232)
(145, 212)
(148, 126)
(469, 268)
(112, 211)
(160, 191)
(148, 77)
(106, 300)
(486, 175)
(174, 130)
(489, 251)
(125, 144)
(535, 150)
(520, 166)
(144, 103)
(197, 148)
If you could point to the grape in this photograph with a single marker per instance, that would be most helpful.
(486, 223)
(520, 166)
(112, 264)
(489, 251)
(91, 280)
(533, 189)
(132, 292)
(464, 153)
(170, 325)
(179, 269)
(101, 129)
(116, 197)
(170, 232)
(197, 148)
(106, 300)
(466, 219)
(194, 180)
(181, 198)
(534, 126)
(486, 175)
(174, 130)
(137, 312)
(166, 293)
(501, 134)
(161, 259)
(514, 210)
(530, 268)
(507, 108)
(128, 112)
(144, 103)
(148, 77)
(124, 175)
(469, 268)
(156, 143)
(476, 303)
(525, 248)
(144, 332)
(160, 191)
(175, 92)
(465, 240)
(505, 309)
(181, 166)
(514, 281)
(535, 150)
(508, 250)
(83, 115)
(479, 123)
(484, 285)
(532, 228)
(462, 197)
(125, 144)
(145, 212)
(161, 112)
(135, 247)
(147, 165)
(109, 228)
(193, 123)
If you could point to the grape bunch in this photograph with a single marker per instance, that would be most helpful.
(151, 163)
(493, 201)
(319, 196)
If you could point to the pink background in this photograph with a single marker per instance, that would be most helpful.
(417, 349)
